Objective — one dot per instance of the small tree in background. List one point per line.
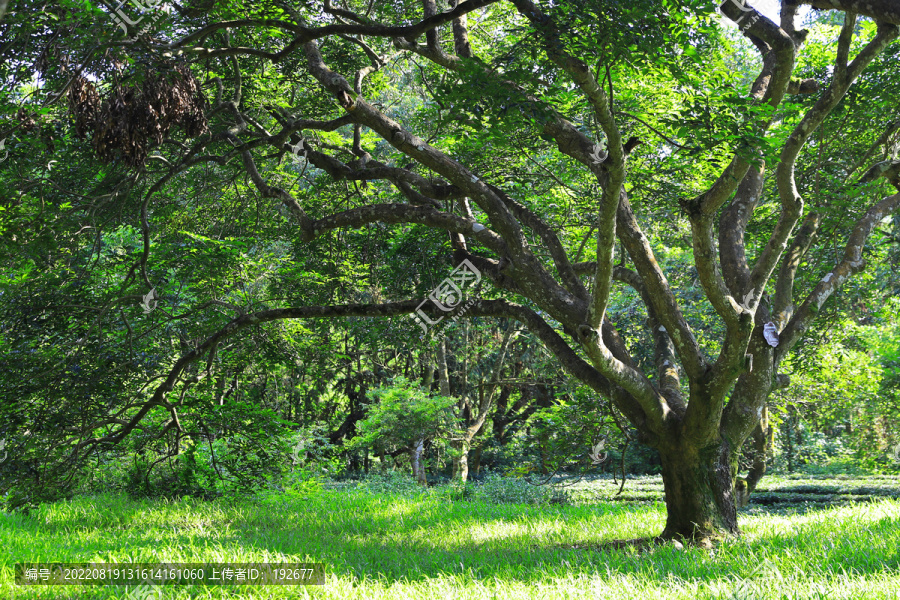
(405, 418)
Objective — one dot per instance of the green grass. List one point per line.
(776, 492)
(397, 545)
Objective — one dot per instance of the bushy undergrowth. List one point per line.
(493, 489)
(392, 482)
(496, 489)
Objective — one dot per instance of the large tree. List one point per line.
(494, 108)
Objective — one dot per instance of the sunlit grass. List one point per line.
(383, 545)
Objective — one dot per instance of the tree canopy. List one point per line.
(663, 196)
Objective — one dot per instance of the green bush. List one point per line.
(496, 489)
(404, 414)
(392, 482)
(312, 454)
(455, 491)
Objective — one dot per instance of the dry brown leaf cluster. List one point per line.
(134, 118)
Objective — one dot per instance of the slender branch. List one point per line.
(852, 263)
(882, 140)
(306, 34)
(404, 213)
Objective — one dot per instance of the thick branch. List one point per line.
(732, 226)
(269, 191)
(887, 11)
(791, 202)
(495, 308)
(778, 50)
(783, 307)
(851, 263)
(660, 294)
(614, 165)
(529, 273)
(404, 213)
(551, 241)
(668, 380)
(461, 34)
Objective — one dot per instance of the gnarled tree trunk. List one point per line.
(699, 499)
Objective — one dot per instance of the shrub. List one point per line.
(404, 413)
(392, 482)
(496, 489)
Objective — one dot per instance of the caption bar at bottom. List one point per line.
(170, 573)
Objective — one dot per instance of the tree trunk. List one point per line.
(461, 461)
(699, 496)
(789, 440)
(762, 447)
(543, 455)
(476, 460)
(418, 464)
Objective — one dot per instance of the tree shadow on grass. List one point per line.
(403, 539)
(418, 541)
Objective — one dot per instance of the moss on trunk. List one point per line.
(699, 495)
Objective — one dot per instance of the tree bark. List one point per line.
(461, 461)
(699, 496)
(476, 460)
(762, 446)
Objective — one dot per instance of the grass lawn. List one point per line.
(396, 545)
